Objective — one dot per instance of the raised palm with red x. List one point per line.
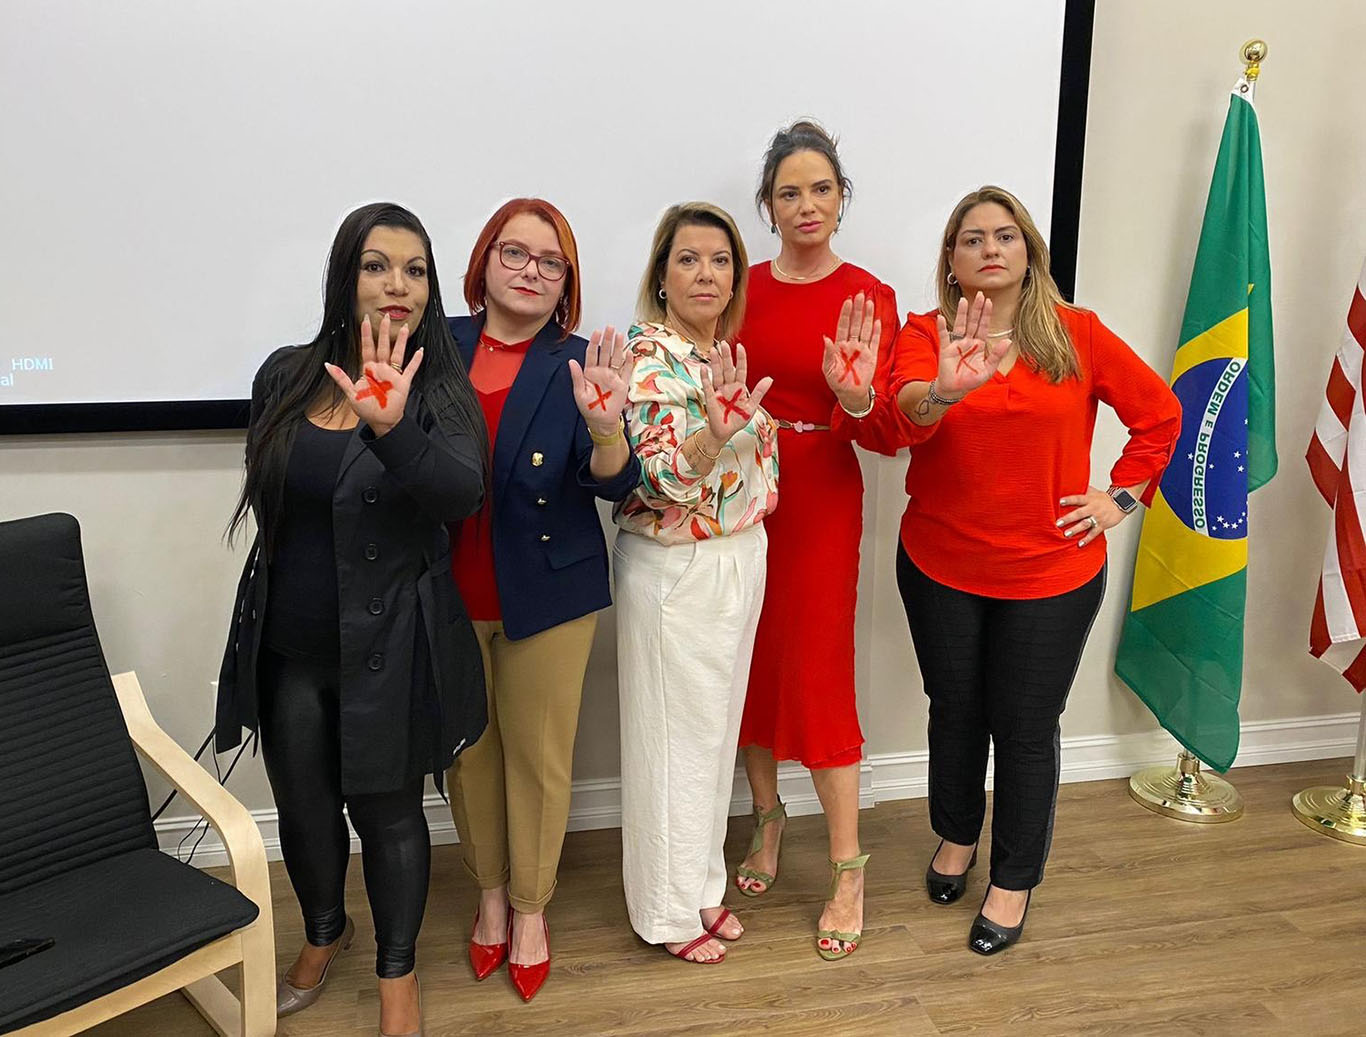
(380, 394)
(602, 381)
(968, 357)
(851, 356)
(729, 404)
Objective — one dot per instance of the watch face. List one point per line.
(1124, 499)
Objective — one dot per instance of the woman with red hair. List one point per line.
(531, 565)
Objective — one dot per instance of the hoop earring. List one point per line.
(951, 279)
(661, 293)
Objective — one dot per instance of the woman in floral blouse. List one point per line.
(690, 564)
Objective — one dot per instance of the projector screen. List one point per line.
(174, 172)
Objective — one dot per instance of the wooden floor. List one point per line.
(1144, 926)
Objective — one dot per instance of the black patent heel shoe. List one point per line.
(945, 889)
(988, 937)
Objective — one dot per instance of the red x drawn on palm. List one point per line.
(379, 390)
(602, 399)
(965, 360)
(849, 373)
(732, 405)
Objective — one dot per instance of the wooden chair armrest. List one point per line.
(234, 824)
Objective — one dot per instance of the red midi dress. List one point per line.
(801, 701)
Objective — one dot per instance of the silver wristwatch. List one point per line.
(1126, 500)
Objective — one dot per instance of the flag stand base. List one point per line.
(1186, 793)
(1336, 811)
(1339, 812)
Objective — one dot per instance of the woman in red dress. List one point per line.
(827, 393)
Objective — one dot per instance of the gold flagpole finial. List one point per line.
(1253, 54)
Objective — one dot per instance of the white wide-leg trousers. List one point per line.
(686, 616)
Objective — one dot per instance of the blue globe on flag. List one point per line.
(1206, 482)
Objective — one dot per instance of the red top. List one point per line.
(798, 316)
(985, 480)
(492, 373)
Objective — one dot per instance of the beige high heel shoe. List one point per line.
(290, 999)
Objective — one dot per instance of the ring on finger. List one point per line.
(1092, 520)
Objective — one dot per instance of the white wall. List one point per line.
(153, 506)
(199, 156)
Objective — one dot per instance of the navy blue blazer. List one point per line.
(549, 554)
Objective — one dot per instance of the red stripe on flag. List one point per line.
(1341, 394)
(1319, 641)
(1350, 545)
(1356, 318)
(1356, 672)
(1323, 471)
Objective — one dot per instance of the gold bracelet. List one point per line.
(697, 442)
(612, 440)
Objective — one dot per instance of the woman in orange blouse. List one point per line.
(1002, 558)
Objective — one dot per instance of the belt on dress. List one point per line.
(801, 426)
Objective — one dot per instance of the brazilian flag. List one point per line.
(1181, 649)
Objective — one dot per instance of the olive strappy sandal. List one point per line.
(829, 941)
(761, 818)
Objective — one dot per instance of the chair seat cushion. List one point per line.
(115, 922)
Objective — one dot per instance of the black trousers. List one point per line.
(301, 744)
(998, 671)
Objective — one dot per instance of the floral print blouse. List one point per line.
(674, 503)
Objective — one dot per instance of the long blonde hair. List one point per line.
(650, 307)
(1039, 333)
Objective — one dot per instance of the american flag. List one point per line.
(1337, 462)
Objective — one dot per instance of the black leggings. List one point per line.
(999, 670)
(301, 743)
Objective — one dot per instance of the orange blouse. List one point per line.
(985, 480)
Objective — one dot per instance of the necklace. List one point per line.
(804, 277)
(1000, 334)
(494, 345)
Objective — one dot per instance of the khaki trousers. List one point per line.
(510, 790)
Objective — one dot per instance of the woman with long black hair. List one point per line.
(350, 651)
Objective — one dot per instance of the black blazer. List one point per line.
(412, 680)
(549, 555)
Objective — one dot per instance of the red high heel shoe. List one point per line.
(486, 957)
(528, 978)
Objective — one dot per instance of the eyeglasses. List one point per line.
(515, 257)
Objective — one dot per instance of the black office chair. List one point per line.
(79, 863)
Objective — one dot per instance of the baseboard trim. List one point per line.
(883, 777)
